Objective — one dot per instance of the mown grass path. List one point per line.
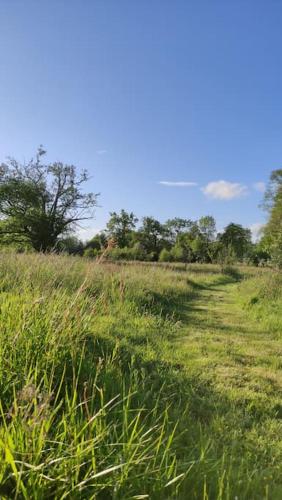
(219, 337)
(235, 367)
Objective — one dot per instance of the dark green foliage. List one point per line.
(259, 255)
(133, 253)
(165, 255)
(120, 227)
(41, 202)
(207, 226)
(238, 239)
(177, 226)
(98, 242)
(272, 239)
(71, 245)
(177, 240)
(152, 236)
(91, 253)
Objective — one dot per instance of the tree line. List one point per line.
(176, 240)
(41, 205)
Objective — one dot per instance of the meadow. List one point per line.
(134, 381)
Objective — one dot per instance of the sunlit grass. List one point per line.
(138, 381)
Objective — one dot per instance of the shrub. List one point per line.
(178, 254)
(165, 256)
(121, 254)
(90, 253)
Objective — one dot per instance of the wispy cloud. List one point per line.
(256, 230)
(224, 190)
(178, 183)
(259, 186)
(101, 151)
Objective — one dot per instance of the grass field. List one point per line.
(139, 381)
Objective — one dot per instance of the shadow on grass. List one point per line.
(174, 305)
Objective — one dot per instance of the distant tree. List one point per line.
(214, 249)
(177, 226)
(71, 245)
(165, 256)
(91, 253)
(152, 235)
(186, 246)
(121, 226)
(98, 242)
(259, 256)
(180, 253)
(237, 239)
(41, 202)
(225, 254)
(207, 226)
(272, 238)
(204, 237)
(200, 249)
(274, 189)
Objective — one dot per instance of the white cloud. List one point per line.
(178, 184)
(259, 186)
(224, 190)
(256, 230)
(101, 151)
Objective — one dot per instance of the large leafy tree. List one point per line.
(272, 239)
(121, 226)
(207, 226)
(177, 226)
(237, 239)
(152, 235)
(40, 202)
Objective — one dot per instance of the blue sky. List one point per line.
(144, 92)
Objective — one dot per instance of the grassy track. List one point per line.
(220, 336)
(138, 381)
(240, 359)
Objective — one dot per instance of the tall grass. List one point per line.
(78, 418)
(262, 297)
(96, 400)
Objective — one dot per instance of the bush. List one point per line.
(165, 256)
(135, 253)
(178, 254)
(71, 245)
(91, 253)
(121, 254)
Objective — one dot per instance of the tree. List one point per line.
(71, 245)
(165, 256)
(237, 239)
(41, 202)
(203, 242)
(274, 190)
(207, 226)
(177, 226)
(98, 242)
(186, 246)
(91, 253)
(272, 239)
(120, 227)
(151, 235)
(179, 253)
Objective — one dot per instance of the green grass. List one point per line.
(139, 380)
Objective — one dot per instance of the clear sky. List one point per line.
(149, 91)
